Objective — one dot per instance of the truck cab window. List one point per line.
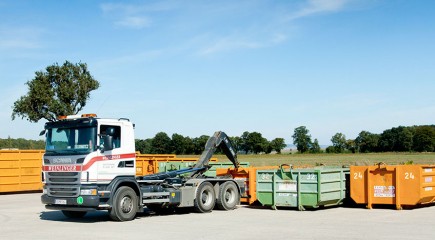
(114, 131)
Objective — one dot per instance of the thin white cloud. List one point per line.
(250, 39)
(312, 7)
(227, 44)
(134, 16)
(133, 22)
(20, 38)
(273, 31)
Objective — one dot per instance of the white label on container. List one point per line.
(428, 170)
(265, 176)
(384, 191)
(428, 179)
(284, 194)
(428, 188)
(287, 186)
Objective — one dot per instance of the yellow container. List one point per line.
(399, 185)
(20, 170)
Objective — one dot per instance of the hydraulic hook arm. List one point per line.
(219, 139)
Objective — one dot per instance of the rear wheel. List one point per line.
(124, 205)
(74, 214)
(205, 198)
(228, 197)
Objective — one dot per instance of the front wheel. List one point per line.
(124, 204)
(228, 196)
(74, 214)
(205, 198)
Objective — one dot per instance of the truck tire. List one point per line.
(205, 198)
(228, 196)
(124, 204)
(74, 214)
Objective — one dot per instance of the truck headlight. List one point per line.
(92, 192)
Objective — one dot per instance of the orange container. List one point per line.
(397, 185)
(149, 163)
(20, 170)
(248, 175)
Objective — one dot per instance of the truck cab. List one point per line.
(83, 153)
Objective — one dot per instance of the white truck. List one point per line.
(89, 164)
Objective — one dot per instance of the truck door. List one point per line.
(114, 162)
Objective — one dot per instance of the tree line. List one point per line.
(248, 142)
(397, 139)
(21, 143)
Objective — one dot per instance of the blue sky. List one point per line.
(194, 67)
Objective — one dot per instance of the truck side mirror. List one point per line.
(108, 142)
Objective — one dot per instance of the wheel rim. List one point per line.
(126, 204)
(229, 196)
(206, 198)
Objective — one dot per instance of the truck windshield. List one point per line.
(76, 140)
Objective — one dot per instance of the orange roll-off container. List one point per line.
(20, 170)
(248, 175)
(149, 163)
(399, 185)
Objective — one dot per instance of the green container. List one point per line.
(301, 188)
(214, 165)
(172, 166)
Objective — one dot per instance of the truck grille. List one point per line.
(63, 184)
(63, 191)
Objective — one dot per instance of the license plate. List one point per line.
(60, 201)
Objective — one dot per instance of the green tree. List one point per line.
(330, 149)
(278, 144)
(396, 139)
(267, 147)
(161, 143)
(367, 142)
(178, 143)
(244, 146)
(143, 146)
(405, 139)
(237, 143)
(339, 142)
(257, 143)
(351, 145)
(199, 144)
(424, 139)
(190, 146)
(302, 139)
(315, 147)
(60, 90)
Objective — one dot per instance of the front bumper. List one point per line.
(80, 203)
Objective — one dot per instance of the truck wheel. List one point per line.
(205, 198)
(124, 204)
(74, 214)
(228, 196)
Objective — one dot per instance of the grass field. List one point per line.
(333, 159)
